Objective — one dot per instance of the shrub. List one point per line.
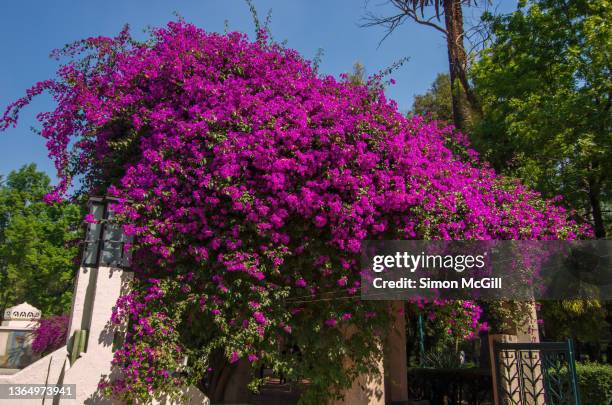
(50, 334)
(595, 383)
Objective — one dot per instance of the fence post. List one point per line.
(496, 380)
(572, 371)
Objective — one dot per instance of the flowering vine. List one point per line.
(50, 334)
(249, 183)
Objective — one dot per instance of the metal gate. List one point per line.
(536, 373)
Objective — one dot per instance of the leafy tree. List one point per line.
(583, 320)
(358, 75)
(436, 103)
(453, 31)
(36, 257)
(545, 88)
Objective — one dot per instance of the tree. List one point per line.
(454, 33)
(358, 75)
(545, 86)
(36, 254)
(582, 320)
(249, 182)
(436, 103)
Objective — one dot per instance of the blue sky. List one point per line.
(31, 29)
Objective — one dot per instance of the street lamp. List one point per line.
(104, 240)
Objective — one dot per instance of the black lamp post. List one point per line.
(104, 240)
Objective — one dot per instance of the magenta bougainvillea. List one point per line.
(249, 183)
(50, 334)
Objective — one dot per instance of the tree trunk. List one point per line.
(237, 390)
(595, 201)
(457, 63)
(228, 383)
(453, 20)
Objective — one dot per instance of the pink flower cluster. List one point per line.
(50, 334)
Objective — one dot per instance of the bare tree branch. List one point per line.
(415, 11)
(408, 10)
(454, 33)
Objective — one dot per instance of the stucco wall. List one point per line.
(96, 293)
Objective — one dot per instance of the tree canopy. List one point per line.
(545, 85)
(436, 103)
(38, 243)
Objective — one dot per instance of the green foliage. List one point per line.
(436, 103)
(358, 75)
(584, 320)
(545, 87)
(594, 383)
(508, 316)
(36, 259)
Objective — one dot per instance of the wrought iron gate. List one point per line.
(536, 373)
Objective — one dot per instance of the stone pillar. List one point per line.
(82, 301)
(523, 378)
(396, 364)
(105, 286)
(16, 337)
(367, 389)
(497, 400)
(110, 284)
(390, 384)
(529, 332)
